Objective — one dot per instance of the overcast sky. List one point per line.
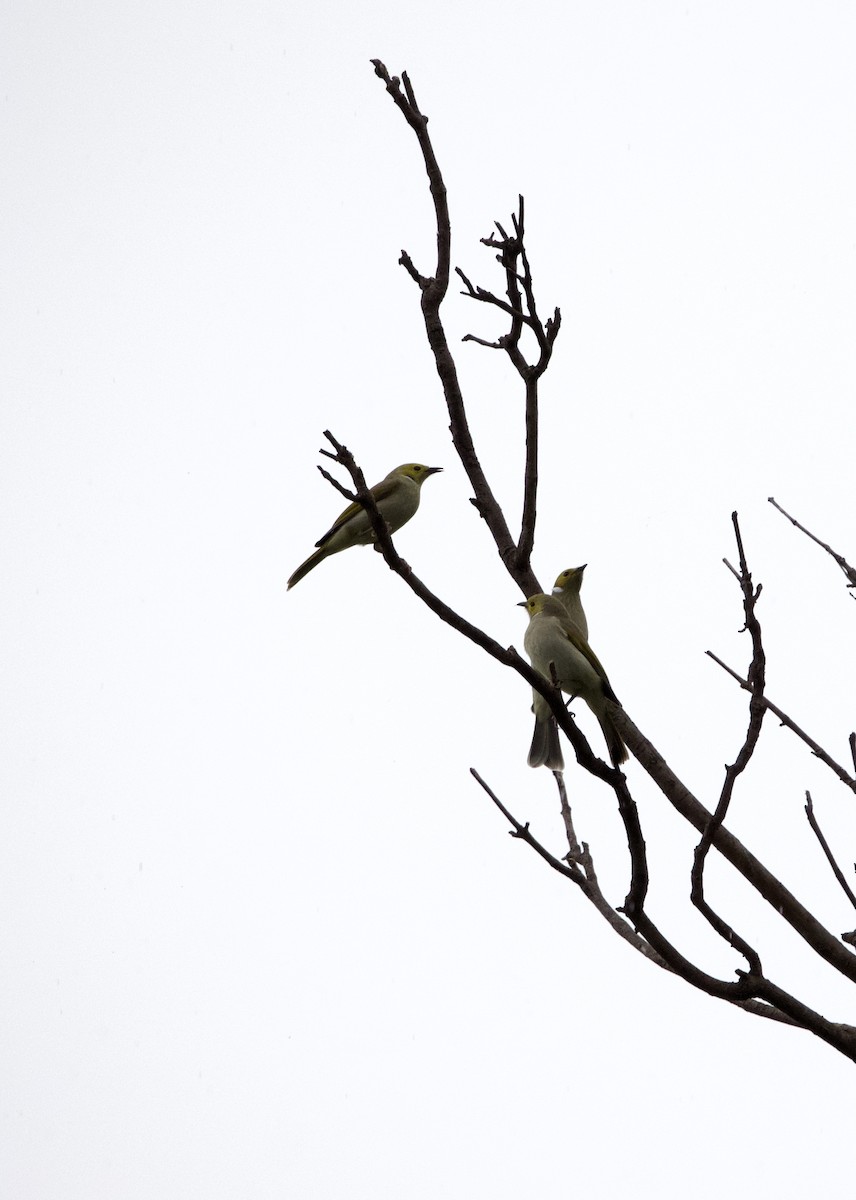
(262, 935)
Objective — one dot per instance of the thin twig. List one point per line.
(753, 732)
(570, 871)
(816, 749)
(580, 869)
(824, 845)
(849, 571)
(522, 308)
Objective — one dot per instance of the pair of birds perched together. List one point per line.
(556, 639)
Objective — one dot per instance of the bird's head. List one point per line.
(536, 604)
(418, 472)
(570, 580)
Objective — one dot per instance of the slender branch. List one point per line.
(570, 871)
(635, 900)
(849, 571)
(526, 542)
(433, 291)
(418, 122)
(471, 337)
(824, 845)
(519, 318)
(753, 732)
(521, 306)
(583, 876)
(574, 851)
(580, 870)
(581, 856)
(816, 749)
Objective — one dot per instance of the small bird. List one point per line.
(567, 588)
(397, 499)
(553, 638)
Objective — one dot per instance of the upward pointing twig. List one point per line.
(849, 571)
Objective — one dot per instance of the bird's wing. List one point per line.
(579, 643)
(380, 491)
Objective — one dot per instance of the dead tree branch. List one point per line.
(815, 747)
(824, 845)
(433, 289)
(850, 572)
(756, 716)
(522, 308)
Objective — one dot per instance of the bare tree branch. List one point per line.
(756, 716)
(816, 749)
(849, 571)
(824, 845)
(433, 291)
(522, 308)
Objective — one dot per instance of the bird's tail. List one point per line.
(312, 561)
(545, 750)
(614, 744)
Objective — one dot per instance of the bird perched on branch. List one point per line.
(552, 639)
(567, 588)
(397, 499)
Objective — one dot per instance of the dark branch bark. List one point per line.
(824, 845)
(579, 868)
(433, 291)
(521, 307)
(756, 716)
(849, 571)
(816, 749)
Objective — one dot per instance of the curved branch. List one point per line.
(418, 122)
(850, 572)
(756, 716)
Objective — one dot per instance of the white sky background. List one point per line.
(262, 934)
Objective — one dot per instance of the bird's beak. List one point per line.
(432, 470)
(521, 603)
